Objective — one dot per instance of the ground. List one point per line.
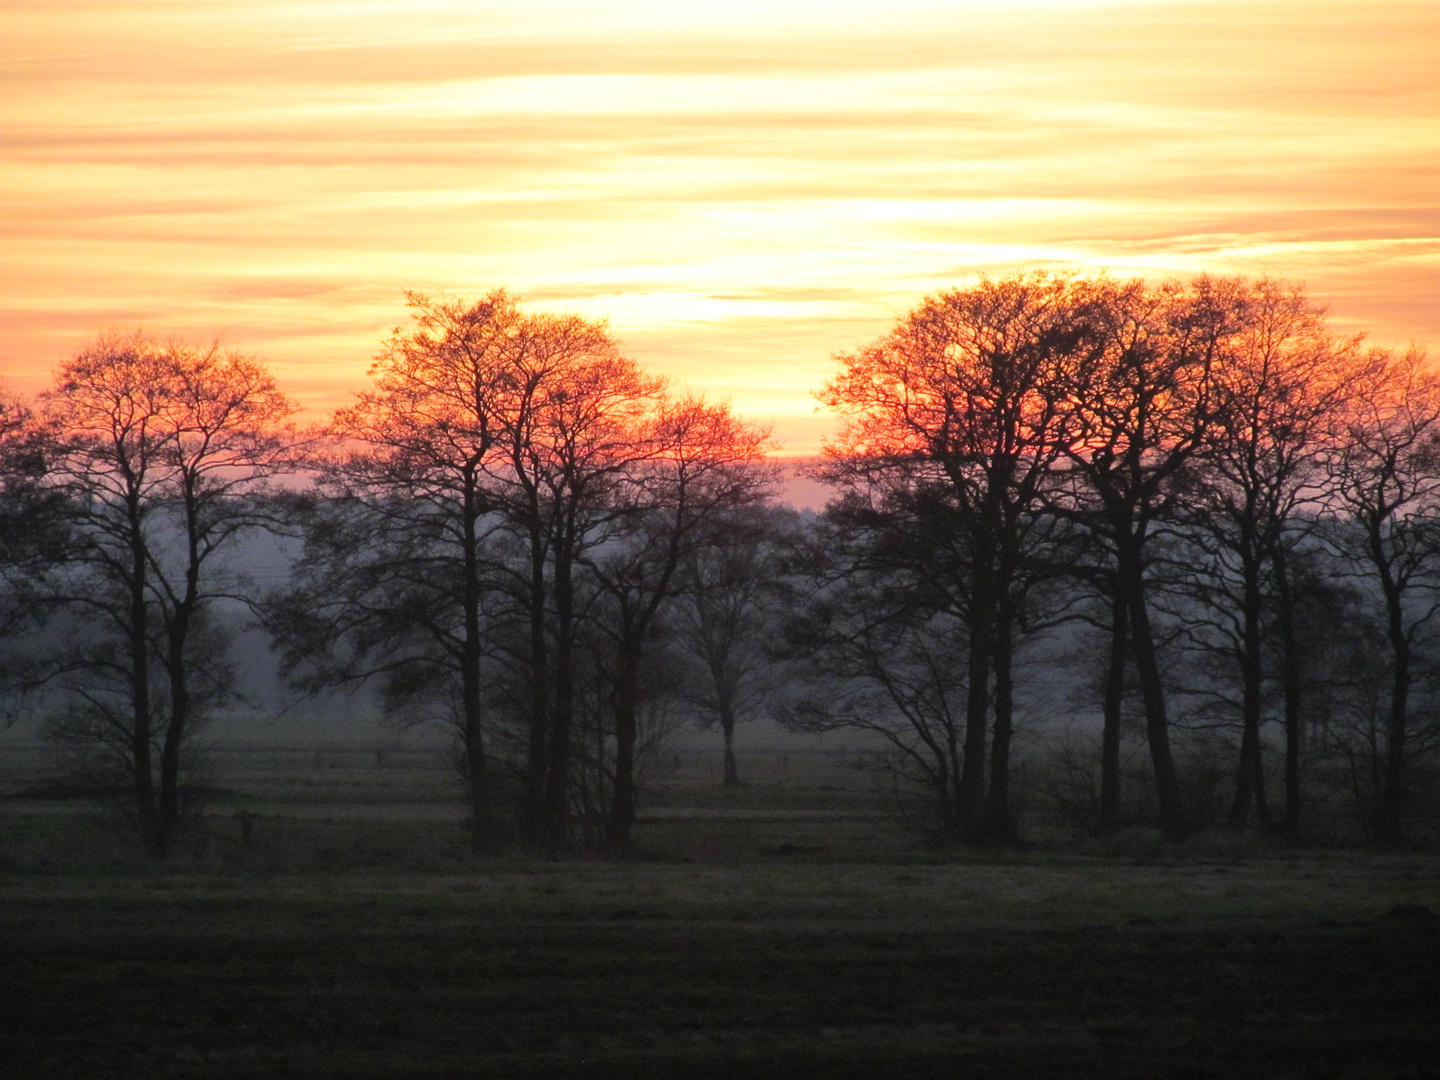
(786, 929)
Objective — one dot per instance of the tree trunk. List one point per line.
(482, 826)
(557, 780)
(950, 781)
(182, 618)
(1152, 692)
(1262, 805)
(1390, 819)
(168, 819)
(970, 792)
(1000, 827)
(1109, 821)
(1290, 689)
(624, 698)
(1248, 787)
(140, 733)
(727, 726)
(537, 764)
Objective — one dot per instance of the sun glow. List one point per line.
(742, 189)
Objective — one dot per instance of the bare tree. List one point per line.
(865, 656)
(569, 429)
(1386, 484)
(497, 449)
(32, 535)
(955, 421)
(1138, 409)
(704, 466)
(1274, 401)
(398, 580)
(162, 451)
(727, 619)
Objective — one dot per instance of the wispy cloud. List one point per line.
(743, 189)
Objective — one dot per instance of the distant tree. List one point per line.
(1336, 635)
(1385, 477)
(1274, 403)
(727, 621)
(33, 539)
(162, 453)
(863, 656)
(704, 467)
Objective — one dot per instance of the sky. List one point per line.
(742, 189)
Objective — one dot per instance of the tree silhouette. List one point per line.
(398, 578)
(1137, 411)
(952, 439)
(727, 618)
(704, 466)
(162, 451)
(1386, 480)
(1275, 397)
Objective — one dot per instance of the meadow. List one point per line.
(324, 918)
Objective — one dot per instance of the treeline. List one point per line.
(1240, 503)
(1191, 509)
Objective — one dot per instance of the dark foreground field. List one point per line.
(365, 945)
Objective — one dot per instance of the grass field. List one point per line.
(326, 921)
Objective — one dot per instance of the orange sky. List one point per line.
(742, 188)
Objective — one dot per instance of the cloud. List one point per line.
(742, 190)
